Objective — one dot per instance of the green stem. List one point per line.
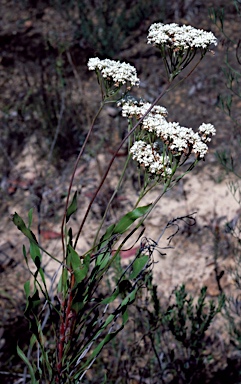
(144, 192)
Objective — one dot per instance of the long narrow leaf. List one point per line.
(72, 207)
(26, 361)
(126, 221)
(80, 269)
(138, 265)
(18, 221)
(30, 217)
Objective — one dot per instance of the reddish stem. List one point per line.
(65, 325)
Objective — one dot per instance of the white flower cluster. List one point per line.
(179, 37)
(205, 130)
(177, 139)
(132, 108)
(147, 156)
(119, 73)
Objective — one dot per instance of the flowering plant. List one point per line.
(85, 322)
(179, 44)
(178, 140)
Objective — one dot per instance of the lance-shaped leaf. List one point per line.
(34, 247)
(126, 221)
(80, 267)
(32, 369)
(72, 207)
(33, 300)
(138, 265)
(63, 282)
(123, 225)
(106, 237)
(18, 221)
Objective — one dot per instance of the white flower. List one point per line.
(177, 139)
(180, 139)
(179, 37)
(205, 131)
(133, 108)
(200, 148)
(148, 156)
(120, 73)
(154, 123)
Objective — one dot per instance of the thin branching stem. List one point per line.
(112, 198)
(166, 89)
(73, 175)
(112, 160)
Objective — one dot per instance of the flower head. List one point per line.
(179, 37)
(180, 140)
(119, 73)
(178, 45)
(177, 141)
(206, 130)
(148, 156)
(134, 108)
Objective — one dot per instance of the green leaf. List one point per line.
(121, 227)
(80, 267)
(35, 254)
(72, 208)
(18, 221)
(74, 258)
(34, 248)
(33, 340)
(106, 237)
(77, 306)
(105, 341)
(109, 319)
(138, 265)
(27, 288)
(108, 300)
(27, 362)
(102, 260)
(63, 282)
(129, 298)
(32, 301)
(30, 217)
(125, 317)
(126, 221)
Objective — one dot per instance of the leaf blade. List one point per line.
(72, 207)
